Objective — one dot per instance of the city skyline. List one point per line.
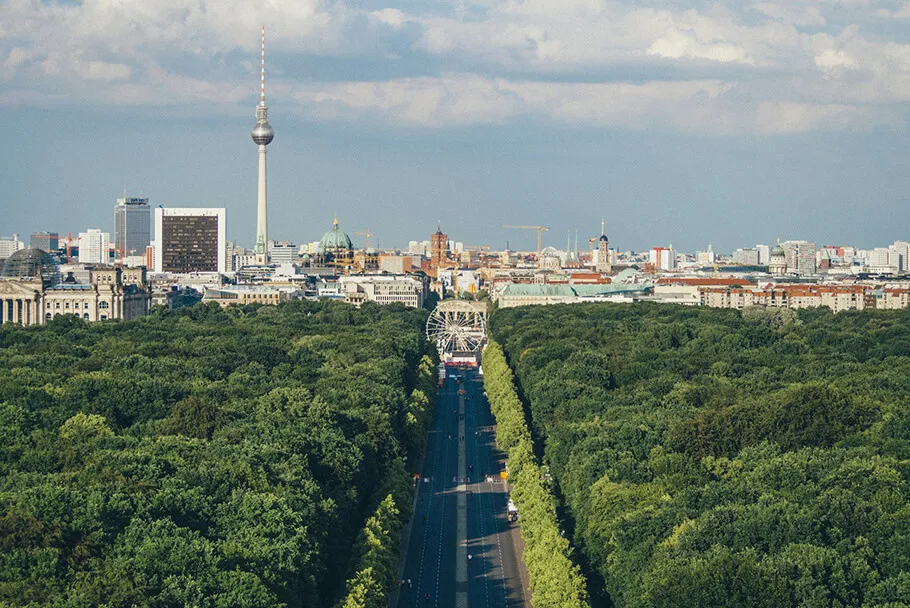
(694, 129)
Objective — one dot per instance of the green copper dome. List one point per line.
(335, 239)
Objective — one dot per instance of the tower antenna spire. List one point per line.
(262, 78)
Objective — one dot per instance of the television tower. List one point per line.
(262, 135)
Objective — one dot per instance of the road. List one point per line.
(461, 551)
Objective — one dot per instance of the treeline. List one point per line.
(206, 457)
(375, 569)
(554, 579)
(714, 458)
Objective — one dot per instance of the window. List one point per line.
(56, 304)
(67, 305)
(85, 316)
(104, 305)
(103, 317)
(47, 317)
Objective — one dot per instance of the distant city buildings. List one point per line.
(748, 256)
(383, 289)
(45, 241)
(32, 291)
(190, 240)
(94, 247)
(132, 226)
(663, 258)
(10, 245)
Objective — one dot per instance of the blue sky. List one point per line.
(686, 123)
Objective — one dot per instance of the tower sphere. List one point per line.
(263, 134)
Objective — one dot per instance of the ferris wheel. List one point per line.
(457, 325)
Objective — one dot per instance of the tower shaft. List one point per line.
(262, 227)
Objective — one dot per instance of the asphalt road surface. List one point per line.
(492, 576)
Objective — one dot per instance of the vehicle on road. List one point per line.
(512, 511)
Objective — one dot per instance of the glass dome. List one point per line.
(31, 263)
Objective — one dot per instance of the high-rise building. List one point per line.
(10, 245)
(94, 247)
(45, 241)
(800, 257)
(190, 240)
(900, 255)
(883, 260)
(262, 135)
(663, 258)
(132, 226)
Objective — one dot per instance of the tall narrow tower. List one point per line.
(603, 264)
(262, 135)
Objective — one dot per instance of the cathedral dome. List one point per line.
(31, 263)
(777, 251)
(335, 239)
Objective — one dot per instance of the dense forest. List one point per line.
(717, 458)
(253, 456)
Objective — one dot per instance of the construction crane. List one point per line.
(539, 229)
(366, 234)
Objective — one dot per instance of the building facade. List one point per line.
(190, 240)
(111, 293)
(132, 226)
(94, 247)
(383, 289)
(45, 241)
(439, 247)
(604, 263)
(10, 245)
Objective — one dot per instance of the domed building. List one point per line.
(335, 247)
(31, 264)
(32, 293)
(777, 264)
(549, 259)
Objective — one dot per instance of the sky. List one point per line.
(685, 123)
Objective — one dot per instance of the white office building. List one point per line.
(94, 247)
(10, 245)
(382, 289)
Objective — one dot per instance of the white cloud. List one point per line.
(102, 70)
(832, 62)
(773, 66)
(678, 43)
(390, 16)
